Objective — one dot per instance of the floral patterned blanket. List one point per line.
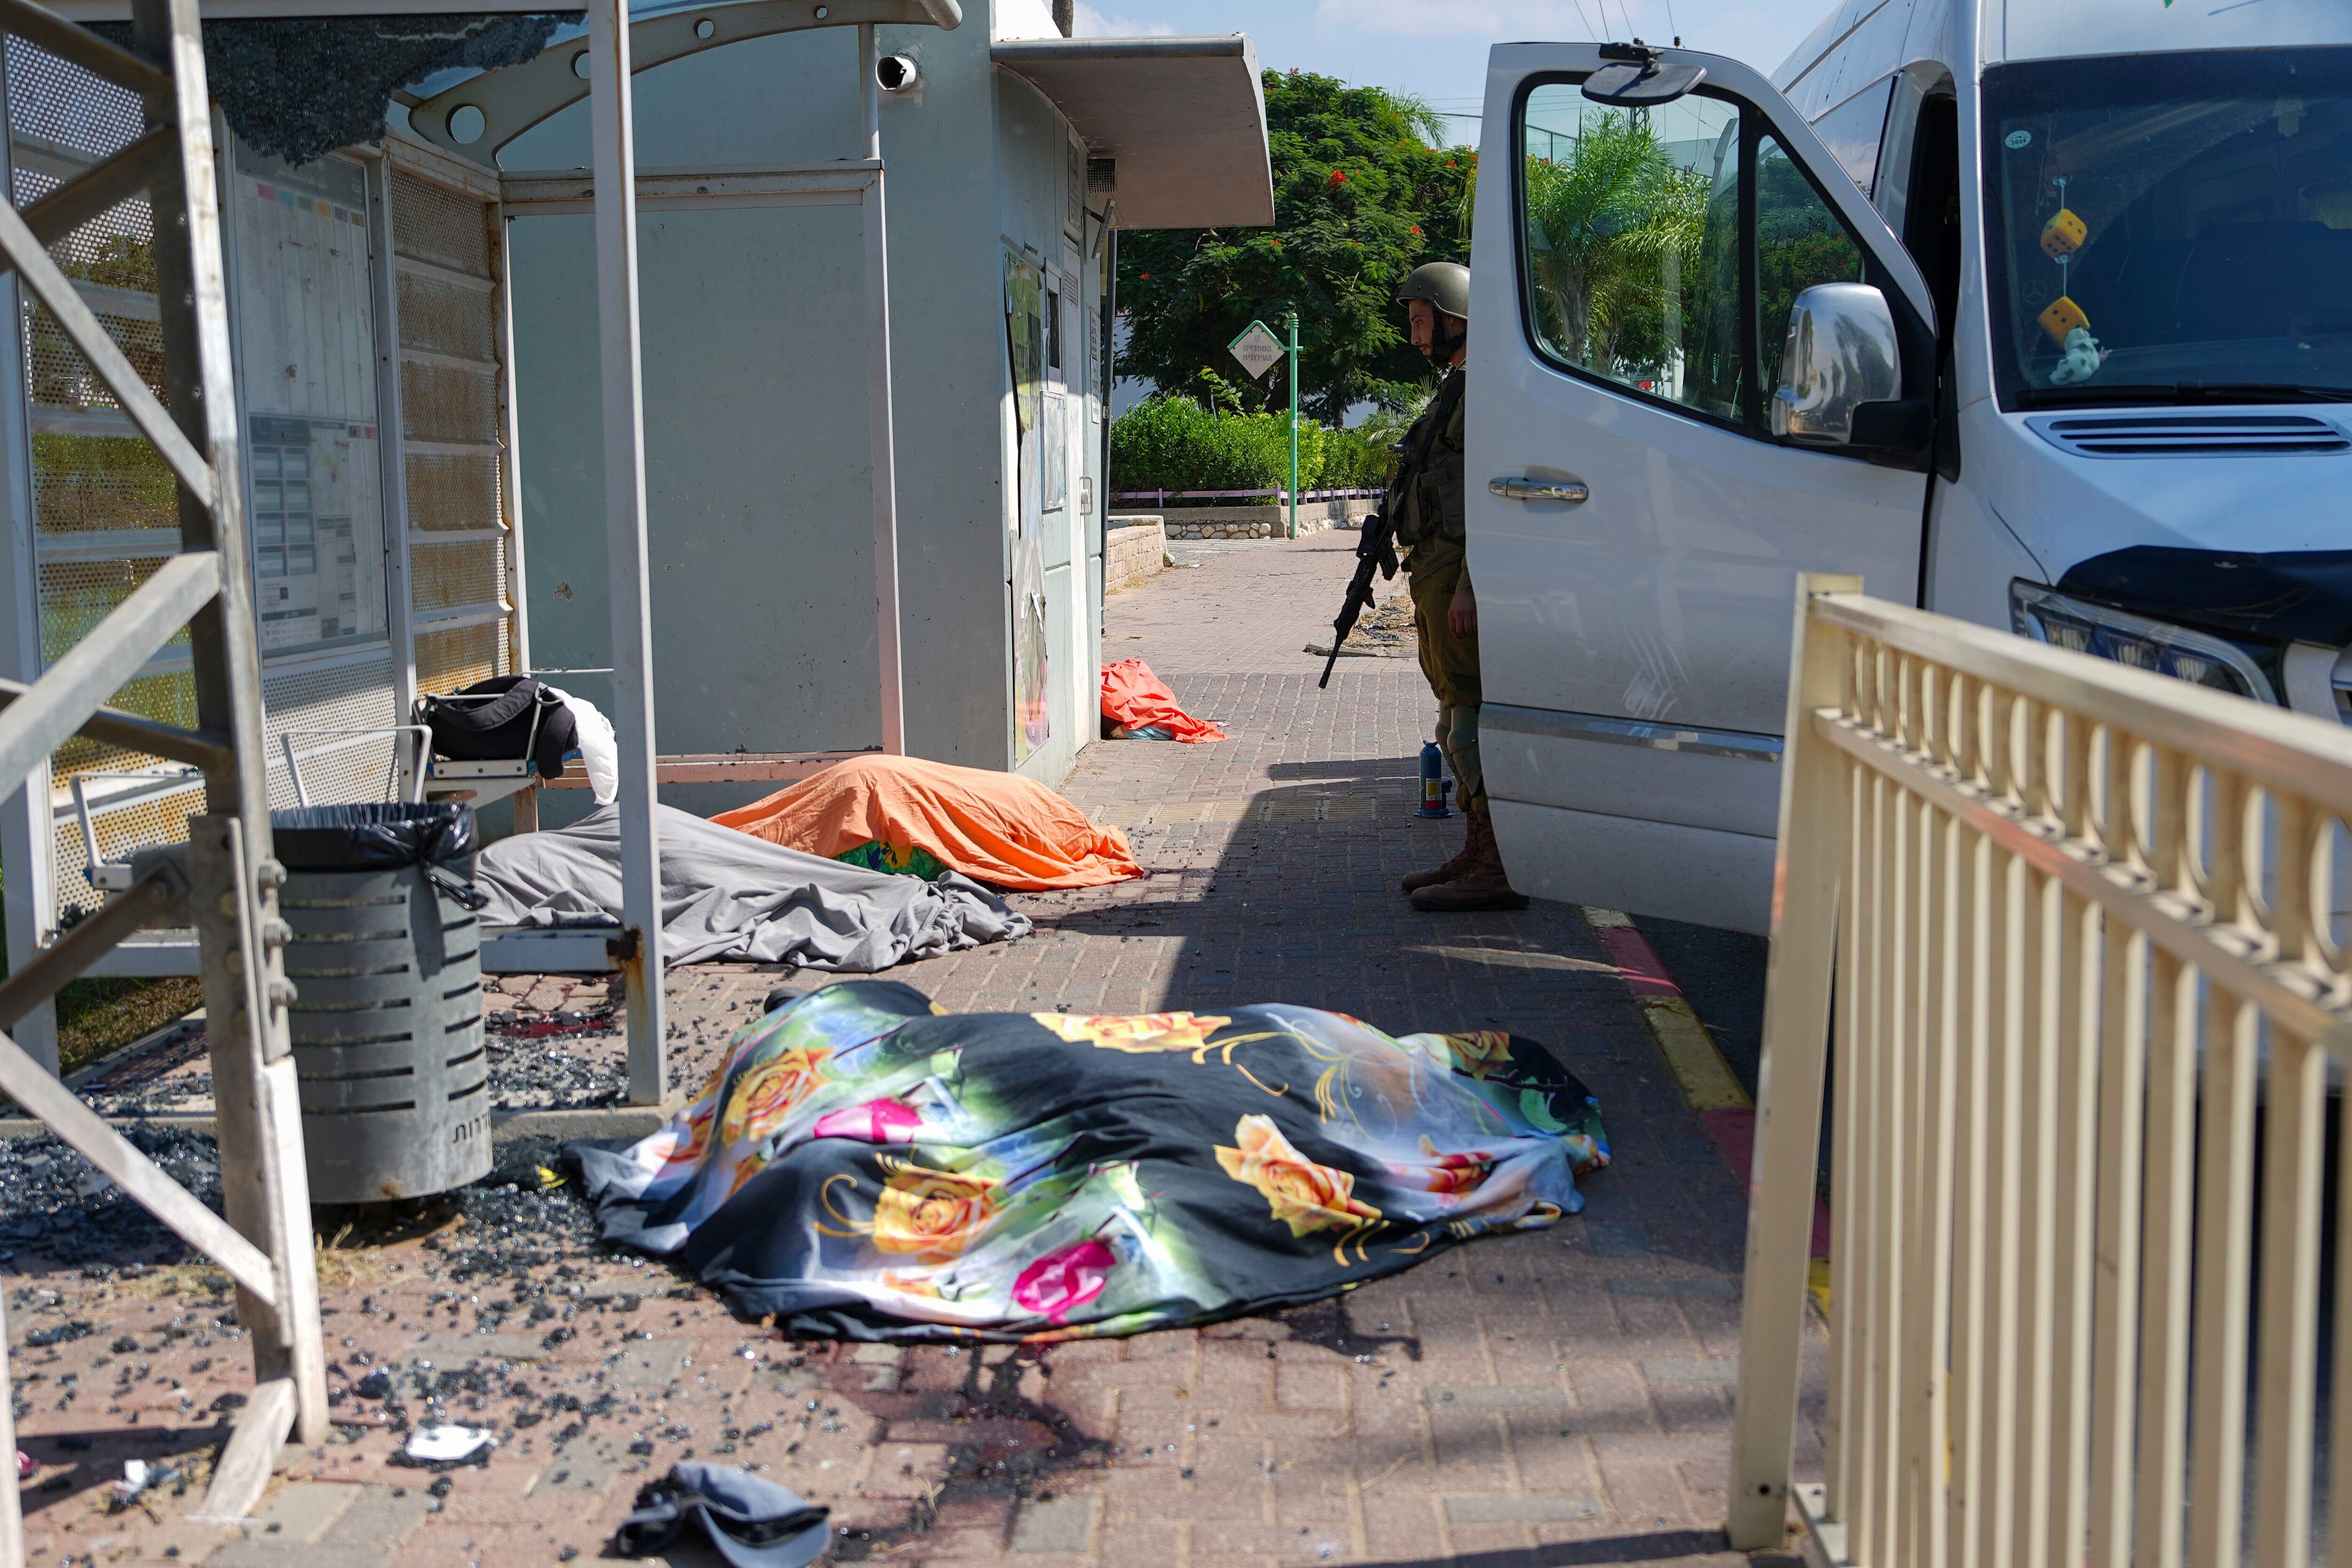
(866, 1166)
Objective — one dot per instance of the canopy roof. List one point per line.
(1184, 118)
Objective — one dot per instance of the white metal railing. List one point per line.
(2083, 921)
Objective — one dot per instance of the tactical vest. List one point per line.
(1426, 498)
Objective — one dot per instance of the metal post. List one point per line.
(637, 953)
(879, 416)
(257, 1121)
(392, 424)
(227, 867)
(27, 832)
(11, 1505)
(1294, 424)
(1109, 382)
(1789, 1084)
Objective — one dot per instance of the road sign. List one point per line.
(1258, 349)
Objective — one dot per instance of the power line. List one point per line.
(1674, 25)
(1588, 21)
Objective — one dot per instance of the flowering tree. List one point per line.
(1364, 190)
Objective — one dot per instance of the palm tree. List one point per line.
(1613, 229)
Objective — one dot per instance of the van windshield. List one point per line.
(2170, 228)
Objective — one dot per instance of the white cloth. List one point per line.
(600, 753)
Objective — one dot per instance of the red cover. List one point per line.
(1134, 697)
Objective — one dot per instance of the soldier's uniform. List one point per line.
(1426, 501)
(1430, 537)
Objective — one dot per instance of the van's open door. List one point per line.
(1634, 273)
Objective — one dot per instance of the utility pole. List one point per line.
(1294, 424)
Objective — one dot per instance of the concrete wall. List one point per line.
(1032, 172)
(757, 484)
(1138, 552)
(1263, 522)
(759, 490)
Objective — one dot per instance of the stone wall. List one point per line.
(1133, 553)
(1262, 521)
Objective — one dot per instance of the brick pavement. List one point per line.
(1542, 1399)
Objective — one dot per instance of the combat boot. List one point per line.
(1483, 884)
(1413, 881)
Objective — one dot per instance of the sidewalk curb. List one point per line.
(1708, 1085)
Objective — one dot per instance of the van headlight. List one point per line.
(2195, 657)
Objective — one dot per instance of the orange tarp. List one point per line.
(1134, 697)
(997, 827)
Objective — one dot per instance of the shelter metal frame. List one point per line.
(224, 880)
(511, 101)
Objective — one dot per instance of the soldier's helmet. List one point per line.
(1444, 284)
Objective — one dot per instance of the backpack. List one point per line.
(506, 717)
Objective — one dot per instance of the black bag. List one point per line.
(752, 1522)
(504, 718)
(438, 835)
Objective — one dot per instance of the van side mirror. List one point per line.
(1841, 359)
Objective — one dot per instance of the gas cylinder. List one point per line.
(1433, 782)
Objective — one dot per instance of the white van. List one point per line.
(2073, 289)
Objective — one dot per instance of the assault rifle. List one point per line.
(1376, 548)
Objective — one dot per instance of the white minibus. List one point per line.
(2033, 314)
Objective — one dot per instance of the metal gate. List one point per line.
(2092, 967)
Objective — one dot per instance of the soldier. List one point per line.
(1426, 501)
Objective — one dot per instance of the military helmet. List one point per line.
(1444, 284)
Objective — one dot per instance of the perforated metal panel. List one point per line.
(449, 576)
(435, 223)
(446, 660)
(447, 318)
(105, 507)
(93, 483)
(444, 403)
(451, 391)
(78, 594)
(450, 491)
(105, 510)
(356, 695)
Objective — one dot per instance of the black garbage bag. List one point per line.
(753, 1522)
(438, 836)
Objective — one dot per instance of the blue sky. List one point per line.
(1437, 48)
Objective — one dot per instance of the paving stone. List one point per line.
(1443, 1397)
(1062, 1524)
(305, 1511)
(1612, 1239)
(1678, 1289)
(444, 1351)
(1506, 1380)
(1528, 1508)
(1721, 1372)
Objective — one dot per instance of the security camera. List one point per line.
(896, 73)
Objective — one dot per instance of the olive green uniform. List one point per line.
(1431, 528)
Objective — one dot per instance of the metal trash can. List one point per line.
(386, 962)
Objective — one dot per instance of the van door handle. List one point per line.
(1569, 491)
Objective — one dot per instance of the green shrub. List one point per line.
(1357, 458)
(1174, 443)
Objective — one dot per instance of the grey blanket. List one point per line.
(729, 895)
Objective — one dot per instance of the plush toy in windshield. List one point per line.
(2082, 359)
